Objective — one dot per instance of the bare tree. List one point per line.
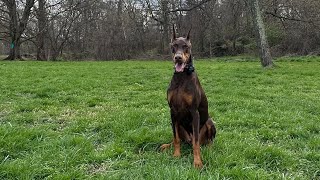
(165, 25)
(265, 56)
(123, 29)
(17, 26)
(62, 23)
(42, 30)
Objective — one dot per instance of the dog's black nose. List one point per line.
(178, 58)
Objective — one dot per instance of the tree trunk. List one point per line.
(165, 25)
(42, 30)
(120, 33)
(261, 38)
(14, 30)
(14, 50)
(54, 54)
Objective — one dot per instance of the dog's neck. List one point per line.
(189, 69)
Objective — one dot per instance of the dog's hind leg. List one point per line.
(211, 130)
(184, 135)
(207, 132)
(203, 134)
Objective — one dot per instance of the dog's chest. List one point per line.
(179, 99)
(183, 93)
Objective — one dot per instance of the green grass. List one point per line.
(106, 120)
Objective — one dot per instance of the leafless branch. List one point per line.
(3, 32)
(191, 8)
(4, 39)
(150, 11)
(53, 5)
(4, 11)
(287, 18)
(282, 18)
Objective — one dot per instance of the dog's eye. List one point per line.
(185, 48)
(174, 47)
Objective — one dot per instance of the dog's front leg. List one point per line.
(176, 139)
(195, 140)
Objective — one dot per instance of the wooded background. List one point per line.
(127, 29)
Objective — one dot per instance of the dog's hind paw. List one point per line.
(163, 147)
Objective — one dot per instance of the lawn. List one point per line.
(106, 120)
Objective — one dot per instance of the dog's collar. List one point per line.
(189, 68)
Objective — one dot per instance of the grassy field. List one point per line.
(106, 120)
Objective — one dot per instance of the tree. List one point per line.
(165, 25)
(42, 30)
(62, 24)
(124, 29)
(17, 26)
(265, 55)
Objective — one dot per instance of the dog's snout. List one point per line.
(178, 58)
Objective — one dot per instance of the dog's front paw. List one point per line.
(176, 154)
(198, 164)
(163, 147)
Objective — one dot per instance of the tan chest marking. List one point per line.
(187, 98)
(180, 98)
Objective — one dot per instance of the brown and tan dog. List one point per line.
(188, 103)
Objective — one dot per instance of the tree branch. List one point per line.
(191, 8)
(2, 10)
(3, 32)
(287, 18)
(151, 13)
(4, 39)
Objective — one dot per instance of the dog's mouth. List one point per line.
(179, 67)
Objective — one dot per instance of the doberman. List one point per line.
(188, 103)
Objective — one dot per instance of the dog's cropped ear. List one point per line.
(188, 36)
(174, 36)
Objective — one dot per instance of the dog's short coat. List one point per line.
(188, 103)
